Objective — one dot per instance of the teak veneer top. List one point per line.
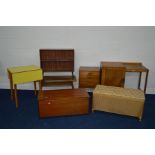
(84, 68)
(129, 66)
(112, 64)
(135, 67)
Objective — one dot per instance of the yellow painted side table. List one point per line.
(23, 74)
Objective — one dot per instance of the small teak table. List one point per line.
(113, 73)
(139, 68)
(23, 74)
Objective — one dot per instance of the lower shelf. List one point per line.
(58, 80)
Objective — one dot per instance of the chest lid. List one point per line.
(65, 93)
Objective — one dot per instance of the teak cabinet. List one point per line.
(89, 77)
(112, 74)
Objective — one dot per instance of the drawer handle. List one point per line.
(49, 102)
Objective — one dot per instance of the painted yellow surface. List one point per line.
(23, 68)
(23, 74)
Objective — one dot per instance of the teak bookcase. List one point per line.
(57, 60)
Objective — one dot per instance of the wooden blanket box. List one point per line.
(63, 102)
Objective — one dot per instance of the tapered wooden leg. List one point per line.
(146, 81)
(35, 92)
(72, 85)
(11, 86)
(16, 97)
(139, 81)
(141, 115)
(40, 87)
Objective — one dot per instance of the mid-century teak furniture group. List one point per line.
(108, 81)
(110, 74)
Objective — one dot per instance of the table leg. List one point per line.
(146, 78)
(16, 97)
(11, 86)
(35, 92)
(139, 82)
(40, 86)
(72, 85)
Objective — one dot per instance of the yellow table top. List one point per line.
(23, 68)
(23, 74)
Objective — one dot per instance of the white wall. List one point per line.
(20, 46)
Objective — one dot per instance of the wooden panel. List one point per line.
(89, 77)
(63, 102)
(57, 66)
(56, 94)
(112, 74)
(112, 64)
(57, 60)
(134, 67)
(56, 54)
(62, 107)
(113, 77)
(58, 80)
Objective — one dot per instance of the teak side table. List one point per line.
(139, 68)
(113, 73)
(23, 74)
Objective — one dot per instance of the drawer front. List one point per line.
(62, 107)
(88, 79)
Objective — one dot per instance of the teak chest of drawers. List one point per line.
(89, 77)
(63, 102)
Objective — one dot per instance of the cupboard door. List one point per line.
(113, 77)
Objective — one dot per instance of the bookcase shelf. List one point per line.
(57, 60)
